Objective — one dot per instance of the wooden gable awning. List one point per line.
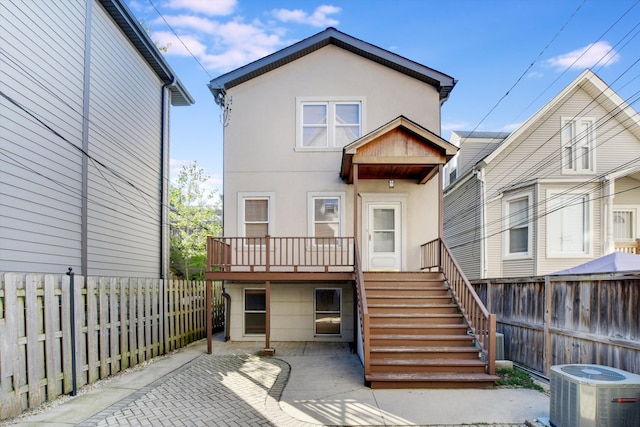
(401, 149)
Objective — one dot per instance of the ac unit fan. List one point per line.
(594, 396)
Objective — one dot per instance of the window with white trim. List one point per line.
(326, 217)
(328, 124)
(624, 221)
(328, 311)
(517, 220)
(568, 225)
(255, 214)
(255, 312)
(578, 145)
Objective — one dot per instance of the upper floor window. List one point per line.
(517, 241)
(578, 145)
(328, 124)
(255, 214)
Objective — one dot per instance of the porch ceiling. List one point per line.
(401, 149)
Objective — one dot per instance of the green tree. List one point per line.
(193, 216)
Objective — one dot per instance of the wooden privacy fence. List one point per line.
(114, 323)
(554, 320)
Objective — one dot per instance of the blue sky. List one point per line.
(509, 56)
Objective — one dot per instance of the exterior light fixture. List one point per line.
(392, 183)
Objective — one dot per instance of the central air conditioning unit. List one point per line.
(594, 396)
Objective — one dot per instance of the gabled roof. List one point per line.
(130, 26)
(400, 149)
(595, 87)
(442, 82)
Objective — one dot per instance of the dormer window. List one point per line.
(578, 145)
(328, 124)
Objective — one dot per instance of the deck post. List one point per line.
(209, 315)
(355, 201)
(267, 350)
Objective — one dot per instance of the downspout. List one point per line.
(227, 314)
(483, 224)
(164, 206)
(164, 180)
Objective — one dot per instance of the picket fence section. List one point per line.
(555, 320)
(117, 323)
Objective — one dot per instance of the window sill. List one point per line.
(518, 257)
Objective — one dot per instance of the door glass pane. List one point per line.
(384, 230)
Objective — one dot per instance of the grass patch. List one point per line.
(515, 378)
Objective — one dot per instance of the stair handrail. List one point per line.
(481, 323)
(363, 310)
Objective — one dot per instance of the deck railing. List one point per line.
(363, 310)
(269, 253)
(482, 324)
(628, 247)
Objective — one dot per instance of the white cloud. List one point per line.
(190, 22)
(207, 7)
(318, 18)
(449, 126)
(535, 75)
(586, 57)
(510, 127)
(186, 45)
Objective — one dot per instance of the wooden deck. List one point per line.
(417, 329)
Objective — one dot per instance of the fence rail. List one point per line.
(114, 324)
(554, 320)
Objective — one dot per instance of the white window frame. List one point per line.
(311, 198)
(634, 221)
(315, 311)
(574, 145)
(245, 311)
(331, 103)
(450, 168)
(506, 209)
(552, 208)
(269, 196)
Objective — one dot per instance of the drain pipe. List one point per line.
(227, 314)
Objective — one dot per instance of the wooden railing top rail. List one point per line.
(263, 253)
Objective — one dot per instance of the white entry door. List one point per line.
(384, 236)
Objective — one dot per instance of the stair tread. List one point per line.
(422, 349)
(427, 362)
(381, 376)
(403, 305)
(419, 326)
(421, 337)
(411, 315)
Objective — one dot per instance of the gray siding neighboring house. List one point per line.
(84, 135)
(560, 190)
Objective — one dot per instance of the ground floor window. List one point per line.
(328, 313)
(255, 311)
(624, 225)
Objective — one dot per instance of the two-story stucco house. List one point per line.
(332, 166)
(562, 189)
(84, 111)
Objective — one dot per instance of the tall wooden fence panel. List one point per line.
(114, 323)
(556, 320)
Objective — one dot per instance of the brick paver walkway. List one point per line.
(212, 390)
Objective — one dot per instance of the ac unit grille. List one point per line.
(594, 396)
(593, 373)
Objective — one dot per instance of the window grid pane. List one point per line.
(326, 217)
(255, 316)
(623, 225)
(328, 304)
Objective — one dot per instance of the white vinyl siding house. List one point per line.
(84, 125)
(570, 164)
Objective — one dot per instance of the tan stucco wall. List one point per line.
(292, 312)
(260, 138)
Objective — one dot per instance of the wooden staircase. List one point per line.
(417, 336)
